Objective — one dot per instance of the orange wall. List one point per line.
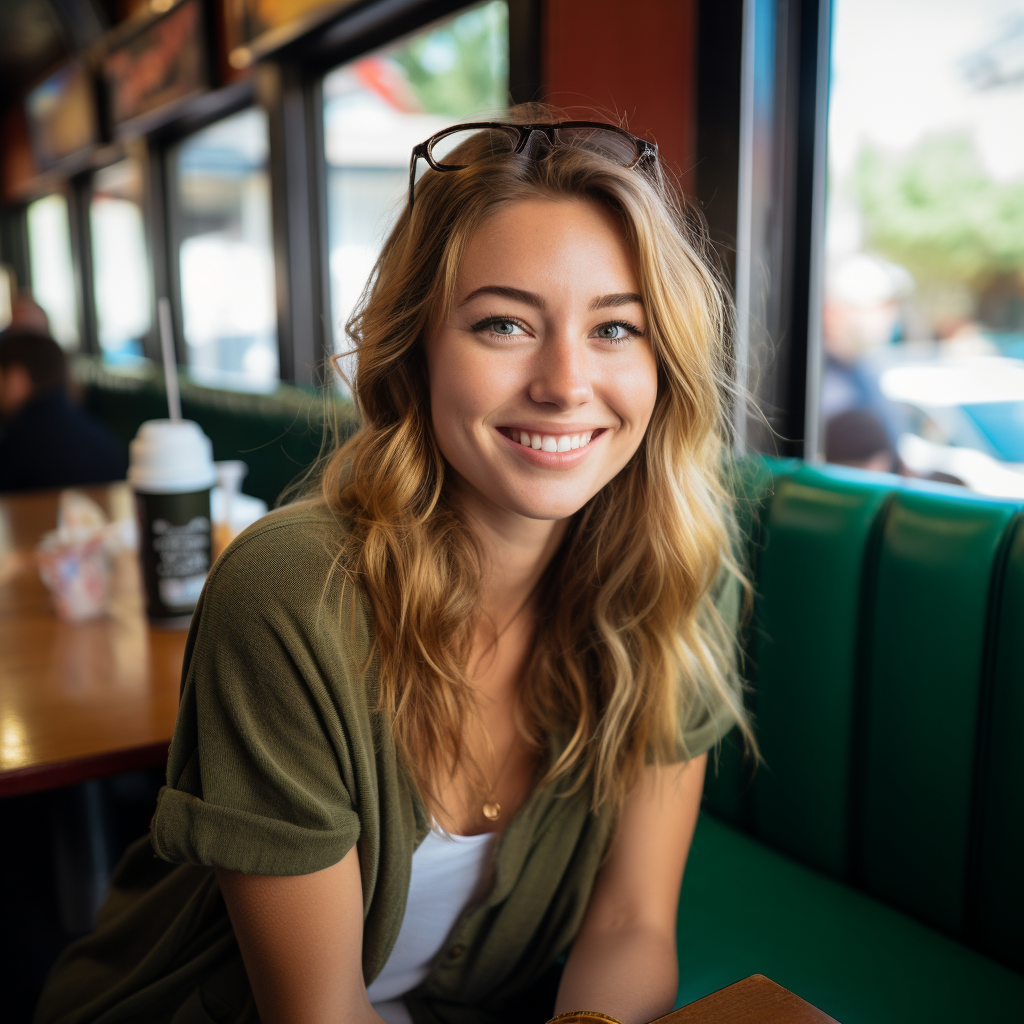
(627, 57)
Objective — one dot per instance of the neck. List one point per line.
(515, 552)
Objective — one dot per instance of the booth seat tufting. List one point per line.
(874, 862)
(277, 435)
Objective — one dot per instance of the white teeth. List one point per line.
(551, 442)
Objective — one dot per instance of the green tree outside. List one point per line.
(462, 66)
(935, 211)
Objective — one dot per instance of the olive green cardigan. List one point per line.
(279, 766)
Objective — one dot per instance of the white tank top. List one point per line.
(447, 873)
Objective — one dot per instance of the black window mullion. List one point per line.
(154, 228)
(166, 224)
(784, 191)
(14, 244)
(78, 194)
(524, 50)
(289, 101)
(321, 249)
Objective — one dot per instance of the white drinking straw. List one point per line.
(170, 362)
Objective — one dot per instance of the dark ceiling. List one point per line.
(36, 36)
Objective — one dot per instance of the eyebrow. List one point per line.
(532, 299)
(617, 299)
(516, 294)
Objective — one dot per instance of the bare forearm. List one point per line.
(631, 974)
(301, 940)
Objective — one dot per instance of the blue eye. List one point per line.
(500, 325)
(617, 330)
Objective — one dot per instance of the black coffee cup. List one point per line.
(171, 473)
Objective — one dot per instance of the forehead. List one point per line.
(548, 245)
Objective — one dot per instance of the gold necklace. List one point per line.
(491, 808)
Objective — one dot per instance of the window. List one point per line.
(221, 210)
(120, 261)
(923, 319)
(376, 109)
(6, 295)
(53, 277)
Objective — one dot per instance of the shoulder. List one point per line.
(299, 540)
(283, 570)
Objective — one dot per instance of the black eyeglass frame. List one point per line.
(522, 132)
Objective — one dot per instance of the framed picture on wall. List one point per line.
(256, 27)
(62, 116)
(157, 68)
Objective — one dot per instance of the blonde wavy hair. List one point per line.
(629, 641)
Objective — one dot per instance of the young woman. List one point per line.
(444, 725)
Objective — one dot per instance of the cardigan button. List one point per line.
(456, 951)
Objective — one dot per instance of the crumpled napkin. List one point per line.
(75, 559)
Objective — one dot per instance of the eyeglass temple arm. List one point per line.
(417, 152)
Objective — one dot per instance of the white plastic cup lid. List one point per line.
(171, 457)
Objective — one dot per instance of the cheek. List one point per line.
(636, 390)
(468, 381)
(460, 392)
(451, 391)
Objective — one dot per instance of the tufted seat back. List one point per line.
(886, 659)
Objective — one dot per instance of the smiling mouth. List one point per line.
(551, 442)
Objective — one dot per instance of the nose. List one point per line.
(560, 377)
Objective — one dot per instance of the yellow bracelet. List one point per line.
(583, 1016)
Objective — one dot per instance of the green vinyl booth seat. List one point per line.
(874, 862)
(278, 435)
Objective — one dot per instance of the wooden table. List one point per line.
(754, 1000)
(77, 701)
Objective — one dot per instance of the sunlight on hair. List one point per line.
(631, 643)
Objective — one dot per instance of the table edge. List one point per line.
(54, 774)
(681, 1013)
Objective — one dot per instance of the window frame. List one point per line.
(768, 81)
(134, 150)
(69, 189)
(293, 94)
(165, 218)
(288, 85)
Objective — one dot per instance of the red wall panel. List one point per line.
(629, 59)
(17, 169)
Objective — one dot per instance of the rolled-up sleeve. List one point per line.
(255, 779)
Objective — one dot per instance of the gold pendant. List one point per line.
(491, 810)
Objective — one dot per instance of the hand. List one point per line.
(629, 930)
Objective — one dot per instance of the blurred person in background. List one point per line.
(857, 438)
(45, 439)
(860, 317)
(28, 315)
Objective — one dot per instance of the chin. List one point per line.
(548, 513)
(547, 507)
